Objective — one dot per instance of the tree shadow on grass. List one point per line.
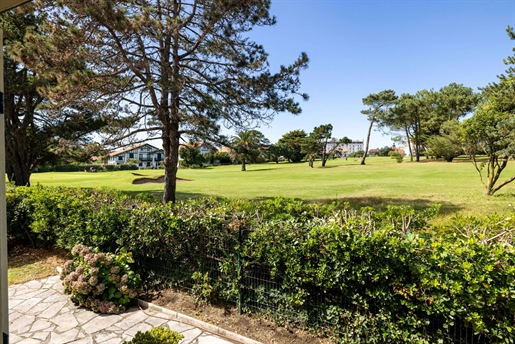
(259, 170)
(158, 195)
(329, 166)
(380, 203)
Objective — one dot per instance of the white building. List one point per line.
(355, 146)
(345, 149)
(203, 147)
(146, 154)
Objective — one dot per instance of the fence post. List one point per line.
(239, 271)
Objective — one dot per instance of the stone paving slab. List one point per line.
(39, 312)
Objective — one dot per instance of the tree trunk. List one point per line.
(18, 157)
(417, 141)
(243, 167)
(18, 138)
(409, 144)
(324, 153)
(19, 174)
(9, 171)
(372, 120)
(169, 112)
(171, 160)
(310, 162)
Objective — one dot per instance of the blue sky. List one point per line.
(362, 47)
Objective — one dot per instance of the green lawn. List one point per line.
(381, 182)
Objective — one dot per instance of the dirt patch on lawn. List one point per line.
(26, 263)
(227, 317)
(160, 179)
(20, 255)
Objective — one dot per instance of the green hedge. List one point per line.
(87, 168)
(355, 275)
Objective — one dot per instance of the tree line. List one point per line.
(252, 146)
(435, 123)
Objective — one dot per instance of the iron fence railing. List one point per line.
(258, 291)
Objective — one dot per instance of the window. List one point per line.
(131, 155)
(120, 157)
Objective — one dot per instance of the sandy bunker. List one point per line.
(159, 179)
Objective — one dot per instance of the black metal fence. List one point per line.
(250, 286)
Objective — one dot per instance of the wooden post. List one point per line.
(4, 308)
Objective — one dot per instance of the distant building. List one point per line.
(373, 152)
(331, 144)
(146, 154)
(400, 149)
(346, 149)
(203, 147)
(355, 146)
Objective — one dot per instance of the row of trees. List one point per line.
(252, 146)
(432, 123)
(425, 120)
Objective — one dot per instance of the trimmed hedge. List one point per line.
(355, 275)
(87, 168)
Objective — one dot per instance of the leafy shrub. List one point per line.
(223, 158)
(357, 154)
(203, 291)
(102, 282)
(388, 285)
(158, 335)
(397, 156)
(191, 156)
(358, 275)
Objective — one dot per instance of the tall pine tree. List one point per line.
(180, 67)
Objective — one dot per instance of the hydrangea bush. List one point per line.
(102, 282)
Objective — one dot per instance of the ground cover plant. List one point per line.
(158, 335)
(352, 274)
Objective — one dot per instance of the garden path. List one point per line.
(39, 312)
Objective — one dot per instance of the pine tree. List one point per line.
(177, 68)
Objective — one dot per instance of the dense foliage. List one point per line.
(87, 168)
(356, 275)
(36, 134)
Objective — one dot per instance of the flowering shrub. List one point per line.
(102, 282)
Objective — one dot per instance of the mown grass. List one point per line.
(382, 181)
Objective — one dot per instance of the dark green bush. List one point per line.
(158, 335)
(405, 281)
(87, 168)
